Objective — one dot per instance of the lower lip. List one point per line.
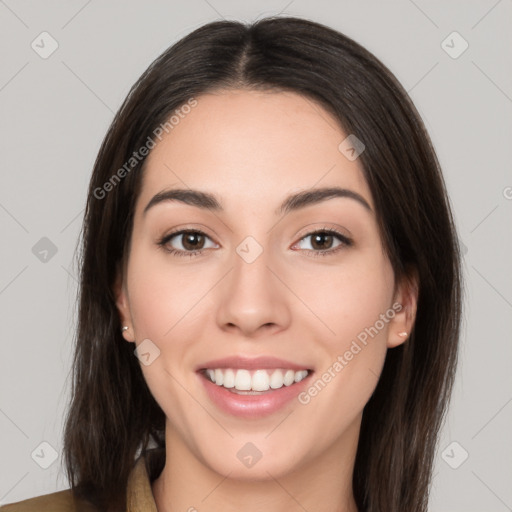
(252, 406)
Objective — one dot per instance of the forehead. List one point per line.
(253, 146)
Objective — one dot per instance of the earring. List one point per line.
(403, 334)
(125, 328)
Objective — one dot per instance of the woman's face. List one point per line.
(259, 281)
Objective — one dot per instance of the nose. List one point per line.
(253, 299)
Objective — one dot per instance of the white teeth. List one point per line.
(229, 378)
(289, 377)
(242, 380)
(260, 381)
(257, 380)
(277, 380)
(219, 377)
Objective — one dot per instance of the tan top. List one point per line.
(138, 493)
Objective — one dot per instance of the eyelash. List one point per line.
(345, 242)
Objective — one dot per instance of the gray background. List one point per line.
(54, 114)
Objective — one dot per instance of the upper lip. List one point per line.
(252, 363)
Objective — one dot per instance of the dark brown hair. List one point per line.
(112, 415)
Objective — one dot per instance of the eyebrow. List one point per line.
(294, 202)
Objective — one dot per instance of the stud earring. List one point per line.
(402, 334)
(125, 328)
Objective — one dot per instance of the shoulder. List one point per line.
(62, 501)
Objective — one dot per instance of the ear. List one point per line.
(123, 305)
(405, 305)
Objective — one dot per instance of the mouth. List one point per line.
(252, 388)
(244, 381)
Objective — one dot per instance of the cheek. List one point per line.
(162, 297)
(348, 298)
(162, 307)
(350, 302)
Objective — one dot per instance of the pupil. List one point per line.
(189, 240)
(321, 237)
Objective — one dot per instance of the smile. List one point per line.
(243, 380)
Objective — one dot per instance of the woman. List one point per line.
(221, 362)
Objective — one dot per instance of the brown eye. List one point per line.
(322, 242)
(192, 241)
(185, 242)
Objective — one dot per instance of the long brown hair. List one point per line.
(112, 417)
